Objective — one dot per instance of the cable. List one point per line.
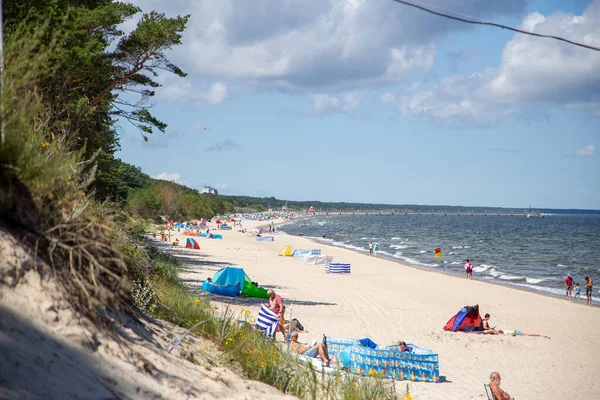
(477, 21)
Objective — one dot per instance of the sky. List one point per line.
(373, 101)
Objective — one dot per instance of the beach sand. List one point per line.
(388, 301)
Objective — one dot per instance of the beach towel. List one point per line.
(267, 321)
(337, 268)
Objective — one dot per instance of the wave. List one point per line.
(455, 263)
(536, 280)
(483, 268)
(399, 246)
(396, 238)
(562, 265)
(397, 254)
(422, 251)
(457, 247)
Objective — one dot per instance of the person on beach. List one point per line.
(517, 332)
(276, 305)
(403, 348)
(375, 248)
(318, 349)
(498, 393)
(588, 290)
(569, 285)
(176, 242)
(469, 269)
(577, 296)
(485, 327)
(370, 247)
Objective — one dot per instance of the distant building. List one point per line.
(210, 190)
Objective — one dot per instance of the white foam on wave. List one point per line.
(494, 272)
(467, 247)
(508, 277)
(396, 238)
(451, 253)
(399, 246)
(455, 263)
(536, 280)
(384, 252)
(482, 268)
(457, 247)
(422, 251)
(397, 254)
(562, 265)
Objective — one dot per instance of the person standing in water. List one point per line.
(469, 269)
(370, 247)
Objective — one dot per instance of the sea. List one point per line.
(529, 253)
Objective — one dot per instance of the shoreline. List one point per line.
(508, 284)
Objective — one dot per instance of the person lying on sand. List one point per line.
(519, 333)
(318, 349)
(498, 393)
(176, 242)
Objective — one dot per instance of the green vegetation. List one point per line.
(245, 348)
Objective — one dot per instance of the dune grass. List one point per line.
(260, 358)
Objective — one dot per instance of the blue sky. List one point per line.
(369, 101)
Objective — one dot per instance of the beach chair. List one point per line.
(488, 391)
(267, 321)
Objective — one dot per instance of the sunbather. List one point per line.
(498, 393)
(403, 348)
(318, 349)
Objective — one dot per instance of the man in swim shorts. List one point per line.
(569, 285)
(318, 349)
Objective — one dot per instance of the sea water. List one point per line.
(534, 254)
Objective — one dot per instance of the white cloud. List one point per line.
(387, 97)
(346, 101)
(588, 150)
(200, 126)
(533, 70)
(166, 176)
(313, 46)
(216, 94)
(184, 90)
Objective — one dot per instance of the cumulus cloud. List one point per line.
(167, 176)
(532, 70)
(346, 102)
(225, 145)
(313, 46)
(185, 90)
(587, 151)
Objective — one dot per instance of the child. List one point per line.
(577, 292)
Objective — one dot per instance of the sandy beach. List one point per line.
(388, 301)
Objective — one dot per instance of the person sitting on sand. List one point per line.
(403, 348)
(485, 327)
(498, 393)
(318, 349)
(176, 242)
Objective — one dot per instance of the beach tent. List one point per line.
(467, 319)
(236, 276)
(191, 244)
(286, 251)
(300, 253)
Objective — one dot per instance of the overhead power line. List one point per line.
(473, 20)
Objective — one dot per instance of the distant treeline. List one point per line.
(151, 197)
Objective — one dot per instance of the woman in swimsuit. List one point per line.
(588, 290)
